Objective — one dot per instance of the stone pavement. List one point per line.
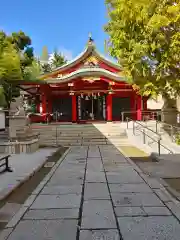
(96, 193)
(23, 166)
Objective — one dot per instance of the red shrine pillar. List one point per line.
(43, 91)
(109, 107)
(139, 107)
(74, 109)
(44, 103)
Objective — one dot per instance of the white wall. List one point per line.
(155, 104)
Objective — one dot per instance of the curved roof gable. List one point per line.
(89, 50)
(86, 72)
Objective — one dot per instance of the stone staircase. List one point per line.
(81, 134)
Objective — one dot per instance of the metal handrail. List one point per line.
(145, 134)
(171, 128)
(159, 143)
(135, 111)
(143, 126)
(156, 113)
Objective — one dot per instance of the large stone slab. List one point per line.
(45, 230)
(95, 176)
(48, 214)
(157, 211)
(99, 234)
(98, 214)
(141, 228)
(141, 211)
(64, 181)
(129, 211)
(73, 166)
(117, 167)
(96, 191)
(124, 177)
(136, 199)
(61, 190)
(93, 152)
(94, 164)
(134, 188)
(68, 175)
(117, 159)
(57, 201)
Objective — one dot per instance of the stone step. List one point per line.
(72, 135)
(82, 134)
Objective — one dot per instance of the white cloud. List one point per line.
(65, 52)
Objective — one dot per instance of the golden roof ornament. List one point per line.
(90, 41)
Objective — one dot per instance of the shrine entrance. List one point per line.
(91, 108)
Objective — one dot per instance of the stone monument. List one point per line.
(20, 134)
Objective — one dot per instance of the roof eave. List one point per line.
(87, 73)
(79, 58)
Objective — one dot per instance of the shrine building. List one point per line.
(88, 88)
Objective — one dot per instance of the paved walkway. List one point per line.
(96, 193)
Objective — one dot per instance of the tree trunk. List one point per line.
(7, 115)
(8, 105)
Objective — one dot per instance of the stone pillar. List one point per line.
(139, 108)
(74, 109)
(109, 107)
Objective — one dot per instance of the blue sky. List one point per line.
(62, 24)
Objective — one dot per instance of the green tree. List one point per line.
(144, 36)
(15, 56)
(58, 59)
(22, 43)
(34, 70)
(46, 67)
(10, 70)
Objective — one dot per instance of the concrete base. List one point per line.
(19, 147)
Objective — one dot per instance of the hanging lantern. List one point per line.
(111, 83)
(111, 92)
(71, 93)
